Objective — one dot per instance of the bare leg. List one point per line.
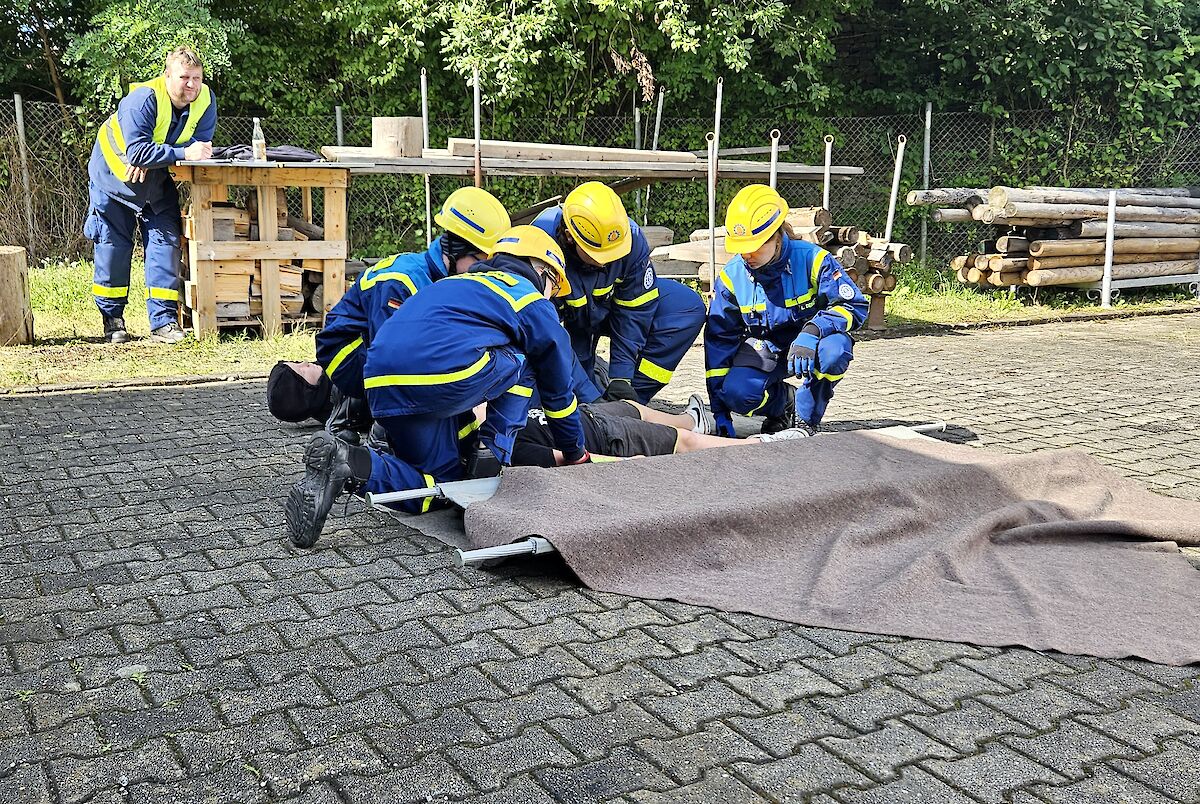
(681, 421)
(694, 442)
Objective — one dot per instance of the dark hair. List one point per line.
(291, 398)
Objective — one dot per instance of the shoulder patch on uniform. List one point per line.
(648, 279)
(846, 292)
(394, 304)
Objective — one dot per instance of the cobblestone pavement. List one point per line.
(162, 643)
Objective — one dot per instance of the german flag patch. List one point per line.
(394, 304)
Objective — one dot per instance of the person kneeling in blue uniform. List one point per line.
(472, 220)
(489, 335)
(650, 322)
(782, 308)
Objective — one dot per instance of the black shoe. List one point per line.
(168, 333)
(787, 419)
(114, 330)
(326, 475)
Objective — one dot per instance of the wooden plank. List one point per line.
(504, 149)
(698, 251)
(334, 280)
(272, 313)
(271, 250)
(291, 176)
(727, 168)
(306, 204)
(204, 314)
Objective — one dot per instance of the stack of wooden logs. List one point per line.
(238, 282)
(868, 260)
(1056, 236)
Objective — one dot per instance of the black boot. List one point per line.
(114, 329)
(331, 466)
(785, 420)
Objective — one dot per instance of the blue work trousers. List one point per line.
(752, 391)
(110, 225)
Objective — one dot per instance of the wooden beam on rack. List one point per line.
(272, 309)
(276, 250)
(204, 315)
(334, 274)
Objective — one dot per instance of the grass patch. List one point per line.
(927, 296)
(69, 348)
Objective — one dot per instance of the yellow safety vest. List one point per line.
(112, 141)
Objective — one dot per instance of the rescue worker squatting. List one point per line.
(782, 307)
(650, 322)
(160, 122)
(489, 335)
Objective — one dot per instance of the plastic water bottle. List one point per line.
(258, 144)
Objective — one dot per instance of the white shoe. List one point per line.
(705, 422)
(790, 434)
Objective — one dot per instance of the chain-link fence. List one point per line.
(387, 213)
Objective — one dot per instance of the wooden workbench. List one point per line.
(210, 182)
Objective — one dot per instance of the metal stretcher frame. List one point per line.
(464, 492)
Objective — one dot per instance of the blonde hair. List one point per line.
(790, 232)
(185, 55)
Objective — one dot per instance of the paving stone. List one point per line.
(569, 601)
(206, 752)
(1041, 706)
(599, 693)
(241, 706)
(405, 744)
(1142, 725)
(1070, 748)
(595, 735)
(948, 684)
(632, 615)
(914, 786)
(537, 638)
(621, 772)
(460, 687)
(855, 669)
(1108, 685)
(610, 654)
(687, 758)
(839, 643)
(991, 774)
(707, 629)
(882, 753)
(1174, 771)
(1016, 666)
(490, 766)
(770, 652)
(288, 774)
(686, 711)
(774, 690)
(125, 730)
(431, 779)
(810, 769)
(77, 780)
(26, 785)
(867, 708)
(507, 717)
(927, 654)
(781, 733)
(1102, 786)
(521, 675)
(717, 785)
(968, 725)
(322, 724)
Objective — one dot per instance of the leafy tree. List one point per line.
(129, 39)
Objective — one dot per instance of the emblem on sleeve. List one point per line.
(648, 279)
(846, 292)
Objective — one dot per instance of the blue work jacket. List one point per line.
(352, 323)
(619, 299)
(806, 285)
(427, 352)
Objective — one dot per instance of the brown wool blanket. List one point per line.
(865, 532)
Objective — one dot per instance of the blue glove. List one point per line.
(724, 425)
(803, 354)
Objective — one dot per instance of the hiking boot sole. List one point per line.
(310, 500)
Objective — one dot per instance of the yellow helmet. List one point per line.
(754, 214)
(533, 243)
(597, 221)
(475, 215)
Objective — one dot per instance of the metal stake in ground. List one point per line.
(828, 164)
(775, 135)
(478, 135)
(712, 211)
(887, 232)
(653, 147)
(425, 144)
(1106, 283)
(25, 174)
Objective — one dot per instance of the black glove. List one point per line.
(620, 391)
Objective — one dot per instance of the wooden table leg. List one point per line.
(334, 280)
(272, 310)
(204, 316)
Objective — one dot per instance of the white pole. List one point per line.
(716, 132)
(337, 121)
(478, 133)
(653, 147)
(425, 144)
(925, 177)
(887, 232)
(828, 165)
(24, 148)
(1106, 283)
(775, 135)
(637, 145)
(712, 210)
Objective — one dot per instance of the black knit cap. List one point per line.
(291, 398)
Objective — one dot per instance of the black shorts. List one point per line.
(616, 429)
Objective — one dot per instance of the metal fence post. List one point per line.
(25, 174)
(337, 120)
(925, 179)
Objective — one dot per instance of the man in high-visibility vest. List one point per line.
(160, 122)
